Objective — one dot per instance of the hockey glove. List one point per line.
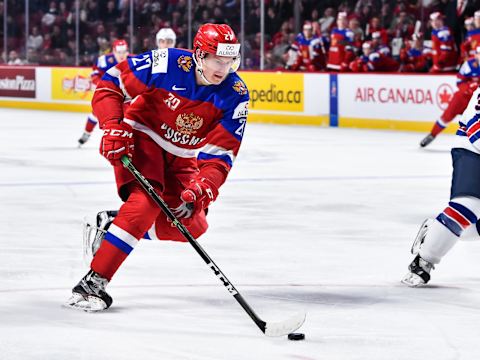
(197, 196)
(117, 141)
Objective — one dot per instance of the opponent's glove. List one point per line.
(197, 196)
(117, 141)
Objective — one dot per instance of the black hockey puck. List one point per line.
(296, 336)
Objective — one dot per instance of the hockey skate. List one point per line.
(419, 269)
(427, 140)
(419, 272)
(89, 294)
(83, 139)
(94, 231)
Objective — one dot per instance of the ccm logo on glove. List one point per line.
(118, 132)
(117, 141)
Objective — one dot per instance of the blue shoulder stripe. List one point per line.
(111, 78)
(225, 158)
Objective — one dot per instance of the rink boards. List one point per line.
(376, 101)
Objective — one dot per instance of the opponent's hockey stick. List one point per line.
(268, 328)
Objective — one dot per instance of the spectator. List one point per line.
(52, 23)
(358, 34)
(111, 14)
(58, 38)
(35, 39)
(101, 34)
(88, 46)
(402, 26)
(65, 16)
(327, 21)
(386, 16)
(283, 34)
(14, 58)
(375, 26)
(272, 21)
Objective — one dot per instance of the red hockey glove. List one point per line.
(196, 197)
(117, 141)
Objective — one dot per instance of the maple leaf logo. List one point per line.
(444, 95)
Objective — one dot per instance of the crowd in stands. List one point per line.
(351, 35)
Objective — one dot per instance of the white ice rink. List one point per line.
(317, 219)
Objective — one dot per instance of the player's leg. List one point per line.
(457, 106)
(437, 237)
(89, 126)
(134, 218)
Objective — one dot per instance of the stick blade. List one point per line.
(283, 328)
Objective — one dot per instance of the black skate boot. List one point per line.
(89, 294)
(94, 231)
(83, 139)
(427, 140)
(419, 272)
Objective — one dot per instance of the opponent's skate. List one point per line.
(419, 272)
(419, 269)
(94, 231)
(89, 294)
(83, 139)
(427, 140)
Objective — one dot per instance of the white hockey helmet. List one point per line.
(166, 34)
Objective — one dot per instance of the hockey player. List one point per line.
(444, 50)
(378, 44)
(166, 38)
(311, 50)
(437, 237)
(467, 82)
(413, 57)
(341, 51)
(103, 63)
(372, 60)
(183, 131)
(468, 46)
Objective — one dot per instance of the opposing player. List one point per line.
(166, 38)
(183, 131)
(467, 82)
(103, 63)
(437, 237)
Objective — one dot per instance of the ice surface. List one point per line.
(311, 219)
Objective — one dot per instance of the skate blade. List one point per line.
(413, 280)
(91, 304)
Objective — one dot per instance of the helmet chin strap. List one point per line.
(199, 68)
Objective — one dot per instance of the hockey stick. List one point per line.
(268, 328)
